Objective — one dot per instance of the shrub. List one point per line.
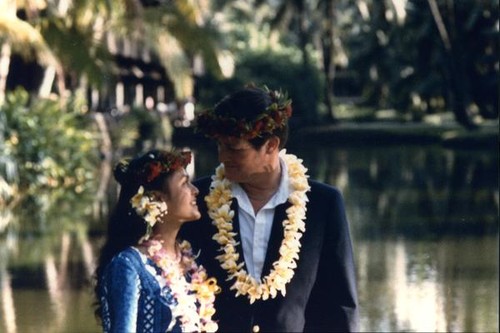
(49, 150)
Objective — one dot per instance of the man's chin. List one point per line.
(231, 176)
(232, 179)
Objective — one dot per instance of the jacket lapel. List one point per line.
(276, 237)
(236, 229)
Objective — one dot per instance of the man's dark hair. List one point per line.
(248, 104)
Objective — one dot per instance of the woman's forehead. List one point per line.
(180, 173)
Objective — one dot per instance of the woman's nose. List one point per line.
(195, 190)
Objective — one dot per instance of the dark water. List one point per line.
(424, 222)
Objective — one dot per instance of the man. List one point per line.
(277, 242)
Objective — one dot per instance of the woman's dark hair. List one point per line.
(125, 226)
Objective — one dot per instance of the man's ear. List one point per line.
(272, 144)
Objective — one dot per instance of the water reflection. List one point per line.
(425, 233)
(415, 191)
(444, 285)
(45, 285)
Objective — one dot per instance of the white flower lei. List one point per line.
(219, 202)
(194, 308)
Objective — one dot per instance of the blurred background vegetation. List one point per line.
(395, 103)
(84, 82)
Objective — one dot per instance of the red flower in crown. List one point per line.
(155, 168)
(163, 163)
(258, 126)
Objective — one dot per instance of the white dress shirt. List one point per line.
(255, 229)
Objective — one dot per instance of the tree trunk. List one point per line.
(328, 48)
(45, 88)
(5, 52)
(53, 73)
(303, 32)
(100, 203)
(459, 94)
(8, 8)
(7, 298)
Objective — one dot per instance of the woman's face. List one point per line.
(181, 200)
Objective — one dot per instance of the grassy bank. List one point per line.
(386, 132)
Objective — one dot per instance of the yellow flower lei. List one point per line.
(219, 202)
(195, 299)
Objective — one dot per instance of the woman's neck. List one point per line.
(168, 237)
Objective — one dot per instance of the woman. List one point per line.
(148, 281)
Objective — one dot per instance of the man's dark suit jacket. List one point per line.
(321, 295)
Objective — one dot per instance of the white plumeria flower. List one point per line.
(219, 207)
(149, 209)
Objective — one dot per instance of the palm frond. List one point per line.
(176, 64)
(25, 40)
(77, 49)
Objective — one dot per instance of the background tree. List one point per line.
(431, 57)
(73, 35)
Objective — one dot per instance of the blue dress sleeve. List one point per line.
(123, 286)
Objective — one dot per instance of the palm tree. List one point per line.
(464, 66)
(47, 35)
(22, 38)
(178, 33)
(315, 24)
(72, 36)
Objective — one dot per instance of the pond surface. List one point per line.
(424, 223)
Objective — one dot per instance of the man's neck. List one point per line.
(263, 187)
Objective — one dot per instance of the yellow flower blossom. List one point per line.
(149, 208)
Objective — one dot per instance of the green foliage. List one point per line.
(275, 70)
(412, 67)
(49, 150)
(137, 129)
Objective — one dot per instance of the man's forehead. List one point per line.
(233, 141)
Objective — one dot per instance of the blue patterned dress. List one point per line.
(133, 297)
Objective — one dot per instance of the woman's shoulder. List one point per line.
(130, 257)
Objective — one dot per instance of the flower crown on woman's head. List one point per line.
(273, 117)
(147, 203)
(149, 167)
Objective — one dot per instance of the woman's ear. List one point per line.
(158, 195)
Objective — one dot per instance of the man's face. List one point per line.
(241, 160)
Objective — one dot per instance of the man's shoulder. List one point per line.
(323, 188)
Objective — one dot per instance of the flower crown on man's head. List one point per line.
(273, 117)
(146, 169)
